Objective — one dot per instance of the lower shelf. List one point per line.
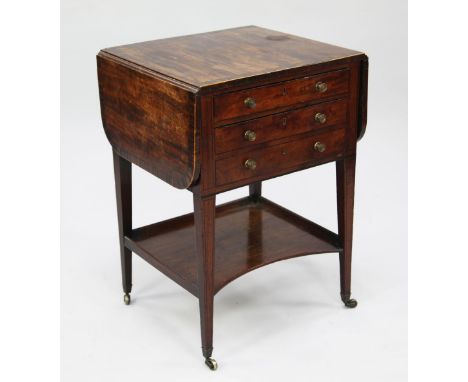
(248, 235)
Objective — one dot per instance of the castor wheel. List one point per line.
(127, 299)
(349, 302)
(211, 363)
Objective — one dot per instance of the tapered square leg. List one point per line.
(255, 190)
(345, 174)
(123, 191)
(204, 208)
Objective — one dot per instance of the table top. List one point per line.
(212, 58)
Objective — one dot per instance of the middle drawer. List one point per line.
(281, 125)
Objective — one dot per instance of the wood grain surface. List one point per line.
(280, 158)
(295, 92)
(180, 109)
(149, 121)
(249, 234)
(280, 125)
(207, 59)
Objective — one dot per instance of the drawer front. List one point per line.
(270, 97)
(277, 126)
(275, 160)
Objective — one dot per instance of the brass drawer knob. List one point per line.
(250, 102)
(250, 164)
(250, 135)
(320, 147)
(321, 87)
(320, 117)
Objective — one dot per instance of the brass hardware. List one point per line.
(320, 117)
(250, 102)
(320, 147)
(250, 135)
(250, 164)
(127, 299)
(211, 363)
(321, 87)
(285, 120)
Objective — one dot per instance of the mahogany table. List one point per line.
(216, 111)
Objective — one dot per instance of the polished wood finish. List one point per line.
(281, 125)
(280, 158)
(230, 55)
(255, 190)
(151, 111)
(204, 218)
(362, 115)
(220, 110)
(345, 174)
(123, 191)
(249, 234)
(149, 121)
(302, 91)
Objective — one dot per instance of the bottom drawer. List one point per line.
(275, 160)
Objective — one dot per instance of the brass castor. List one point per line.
(127, 299)
(211, 363)
(349, 302)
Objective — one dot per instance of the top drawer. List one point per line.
(270, 97)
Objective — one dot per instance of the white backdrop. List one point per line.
(284, 321)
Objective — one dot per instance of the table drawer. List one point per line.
(281, 125)
(270, 97)
(275, 160)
